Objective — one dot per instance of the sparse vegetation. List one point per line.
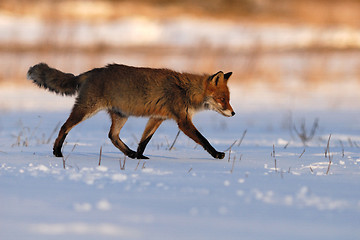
(122, 166)
(305, 135)
(64, 159)
(172, 189)
(100, 155)
(176, 137)
(327, 154)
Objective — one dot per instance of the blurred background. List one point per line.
(273, 45)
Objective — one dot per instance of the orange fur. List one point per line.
(144, 92)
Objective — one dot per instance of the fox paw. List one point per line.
(219, 155)
(57, 153)
(141, 157)
(131, 154)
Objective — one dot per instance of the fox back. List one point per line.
(155, 92)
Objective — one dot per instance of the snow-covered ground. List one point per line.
(183, 193)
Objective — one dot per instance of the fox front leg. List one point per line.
(190, 130)
(151, 126)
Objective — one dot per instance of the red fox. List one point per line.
(125, 91)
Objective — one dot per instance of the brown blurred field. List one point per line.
(323, 12)
(312, 64)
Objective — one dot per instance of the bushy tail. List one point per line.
(54, 80)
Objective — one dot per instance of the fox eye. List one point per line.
(222, 99)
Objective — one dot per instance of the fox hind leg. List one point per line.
(151, 126)
(78, 114)
(118, 122)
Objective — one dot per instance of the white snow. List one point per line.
(271, 186)
(182, 193)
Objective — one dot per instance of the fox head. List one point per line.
(217, 94)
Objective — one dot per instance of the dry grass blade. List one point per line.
(229, 148)
(302, 153)
(137, 165)
(242, 138)
(273, 154)
(100, 155)
(328, 169)
(233, 163)
(327, 150)
(303, 135)
(122, 167)
(229, 155)
(176, 137)
(65, 159)
(328, 153)
(342, 148)
(352, 143)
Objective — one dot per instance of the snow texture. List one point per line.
(269, 185)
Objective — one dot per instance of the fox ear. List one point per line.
(216, 78)
(227, 76)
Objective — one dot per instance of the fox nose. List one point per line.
(232, 113)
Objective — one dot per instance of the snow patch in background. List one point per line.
(82, 228)
(176, 32)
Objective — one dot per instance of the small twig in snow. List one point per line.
(137, 165)
(302, 153)
(342, 148)
(273, 154)
(122, 167)
(65, 159)
(327, 150)
(233, 164)
(229, 155)
(100, 155)
(328, 169)
(242, 138)
(229, 148)
(172, 145)
(330, 157)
